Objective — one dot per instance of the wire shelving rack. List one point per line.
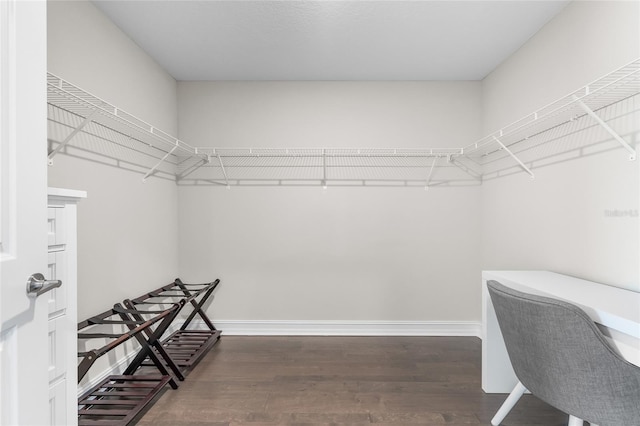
(600, 116)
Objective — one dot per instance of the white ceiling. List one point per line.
(330, 40)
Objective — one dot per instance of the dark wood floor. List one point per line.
(340, 380)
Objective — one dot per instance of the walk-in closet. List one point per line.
(294, 212)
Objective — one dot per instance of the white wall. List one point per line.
(558, 221)
(127, 229)
(283, 253)
(347, 254)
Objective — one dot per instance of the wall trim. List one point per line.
(309, 328)
(346, 328)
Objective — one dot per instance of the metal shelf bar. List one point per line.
(548, 131)
(466, 169)
(75, 131)
(622, 83)
(224, 172)
(324, 169)
(426, 185)
(524, 167)
(67, 97)
(162, 160)
(608, 128)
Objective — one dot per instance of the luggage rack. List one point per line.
(119, 399)
(185, 346)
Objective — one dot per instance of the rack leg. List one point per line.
(197, 307)
(147, 351)
(155, 343)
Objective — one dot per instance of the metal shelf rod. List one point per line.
(143, 127)
(586, 91)
(524, 167)
(426, 186)
(521, 140)
(224, 172)
(153, 169)
(324, 169)
(608, 128)
(75, 131)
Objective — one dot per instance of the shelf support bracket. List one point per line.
(324, 169)
(224, 172)
(153, 169)
(608, 128)
(71, 135)
(524, 167)
(194, 167)
(468, 170)
(426, 184)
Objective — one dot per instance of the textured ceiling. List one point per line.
(330, 40)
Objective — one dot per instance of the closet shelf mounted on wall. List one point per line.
(104, 132)
(596, 118)
(580, 123)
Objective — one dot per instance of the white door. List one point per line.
(23, 212)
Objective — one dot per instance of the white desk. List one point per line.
(615, 310)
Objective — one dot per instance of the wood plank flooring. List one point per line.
(261, 381)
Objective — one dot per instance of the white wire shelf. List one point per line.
(324, 166)
(569, 124)
(598, 117)
(99, 129)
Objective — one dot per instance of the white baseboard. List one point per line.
(310, 328)
(347, 328)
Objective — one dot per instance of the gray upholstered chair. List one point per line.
(560, 355)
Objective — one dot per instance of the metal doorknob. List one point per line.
(37, 285)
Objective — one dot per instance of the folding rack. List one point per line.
(102, 132)
(184, 347)
(119, 398)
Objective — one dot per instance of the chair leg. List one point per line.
(574, 421)
(508, 404)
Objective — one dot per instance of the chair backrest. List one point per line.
(560, 355)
